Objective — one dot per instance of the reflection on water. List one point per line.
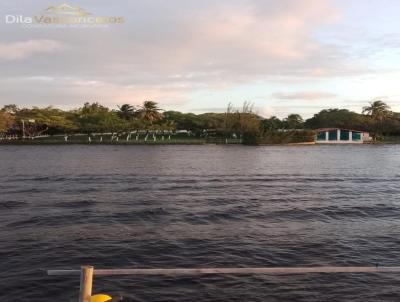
(199, 206)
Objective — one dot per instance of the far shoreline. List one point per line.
(173, 143)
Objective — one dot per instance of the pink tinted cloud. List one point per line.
(24, 49)
(304, 95)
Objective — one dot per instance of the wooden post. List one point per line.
(85, 291)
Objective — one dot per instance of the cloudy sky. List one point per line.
(286, 56)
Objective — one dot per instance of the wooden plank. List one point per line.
(63, 272)
(232, 271)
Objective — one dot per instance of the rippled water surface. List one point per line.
(199, 206)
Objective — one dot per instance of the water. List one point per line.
(199, 206)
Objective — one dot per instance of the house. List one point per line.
(341, 136)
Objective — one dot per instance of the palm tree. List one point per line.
(126, 111)
(378, 110)
(150, 111)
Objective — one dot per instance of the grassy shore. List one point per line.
(84, 140)
(173, 140)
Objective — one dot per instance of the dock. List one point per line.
(87, 273)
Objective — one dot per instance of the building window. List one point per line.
(333, 135)
(344, 135)
(321, 136)
(356, 136)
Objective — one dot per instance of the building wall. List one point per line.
(364, 136)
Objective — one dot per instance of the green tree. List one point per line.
(11, 108)
(183, 121)
(49, 120)
(243, 122)
(294, 121)
(378, 110)
(271, 124)
(97, 118)
(341, 118)
(6, 121)
(126, 111)
(212, 121)
(150, 111)
(7, 117)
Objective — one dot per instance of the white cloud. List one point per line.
(304, 95)
(25, 49)
(41, 78)
(183, 52)
(72, 92)
(265, 111)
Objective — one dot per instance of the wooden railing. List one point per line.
(87, 273)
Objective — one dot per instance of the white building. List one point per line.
(341, 136)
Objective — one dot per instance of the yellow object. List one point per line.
(100, 298)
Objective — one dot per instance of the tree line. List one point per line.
(376, 118)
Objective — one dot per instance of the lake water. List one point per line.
(199, 206)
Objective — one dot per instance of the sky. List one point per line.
(286, 56)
